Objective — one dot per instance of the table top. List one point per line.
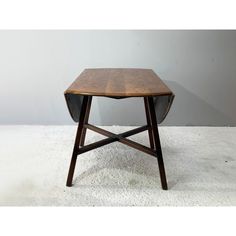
(119, 82)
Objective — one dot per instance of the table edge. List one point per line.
(68, 91)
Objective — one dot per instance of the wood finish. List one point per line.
(119, 83)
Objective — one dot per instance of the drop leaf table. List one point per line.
(119, 83)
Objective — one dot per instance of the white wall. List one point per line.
(37, 66)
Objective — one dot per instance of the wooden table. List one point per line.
(118, 84)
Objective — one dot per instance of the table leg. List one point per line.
(150, 133)
(77, 141)
(88, 107)
(157, 143)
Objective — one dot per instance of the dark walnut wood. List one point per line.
(118, 83)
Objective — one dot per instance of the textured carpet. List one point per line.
(200, 165)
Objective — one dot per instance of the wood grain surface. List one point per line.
(119, 82)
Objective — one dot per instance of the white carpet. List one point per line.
(200, 165)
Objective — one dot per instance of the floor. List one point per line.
(200, 165)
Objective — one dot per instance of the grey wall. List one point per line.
(37, 66)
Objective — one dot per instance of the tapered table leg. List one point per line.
(150, 133)
(157, 143)
(86, 121)
(77, 142)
